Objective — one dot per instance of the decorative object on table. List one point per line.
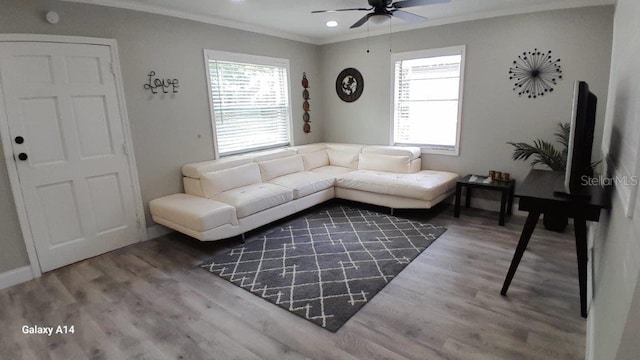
(498, 176)
(349, 85)
(480, 179)
(154, 83)
(470, 182)
(535, 73)
(326, 264)
(305, 105)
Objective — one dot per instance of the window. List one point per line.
(427, 99)
(249, 98)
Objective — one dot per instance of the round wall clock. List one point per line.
(349, 85)
(535, 73)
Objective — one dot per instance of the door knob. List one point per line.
(23, 156)
(19, 139)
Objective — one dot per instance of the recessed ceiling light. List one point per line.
(332, 23)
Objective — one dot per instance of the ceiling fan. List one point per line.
(384, 9)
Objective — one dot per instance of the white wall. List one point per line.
(168, 132)
(614, 319)
(492, 112)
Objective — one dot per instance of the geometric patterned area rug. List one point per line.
(326, 264)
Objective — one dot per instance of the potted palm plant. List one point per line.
(543, 152)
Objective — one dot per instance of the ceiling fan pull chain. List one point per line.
(389, 35)
(367, 37)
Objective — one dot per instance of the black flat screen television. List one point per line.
(583, 121)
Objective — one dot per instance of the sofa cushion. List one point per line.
(332, 171)
(272, 169)
(304, 183)
(193, 212)
(254, 198)
(216, 182)
(423, 185)
(303, 149)
(390, 163)
(346, 159)
(412, 152)
(315, 159)
(270, 154)
(196, 170)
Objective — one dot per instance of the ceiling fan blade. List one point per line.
(407, 16)
(361, 21)
(412, 3)
(331, 11)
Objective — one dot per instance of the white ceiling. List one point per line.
(291, 19)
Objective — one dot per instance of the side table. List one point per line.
(507, 189)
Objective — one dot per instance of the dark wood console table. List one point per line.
(536, 196)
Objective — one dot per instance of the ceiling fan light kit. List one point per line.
(383, 10)
(379, 19)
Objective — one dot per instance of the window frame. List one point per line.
(248, 59)
(418, 54)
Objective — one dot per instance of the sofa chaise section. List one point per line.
(391, 176)
(423, 189)
(195, 216)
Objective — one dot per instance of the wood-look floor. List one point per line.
(151, 301)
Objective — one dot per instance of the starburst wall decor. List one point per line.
(535, 72)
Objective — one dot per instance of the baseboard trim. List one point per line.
(157, 230)
(15, 277)
(589, 347)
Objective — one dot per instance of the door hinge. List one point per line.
(125, 149)
(113, 72)
(138, 222)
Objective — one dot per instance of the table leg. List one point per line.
(467, 200)
(456, 207)
(510, 200)
(529, 226)
(580, 227)
(503, 205)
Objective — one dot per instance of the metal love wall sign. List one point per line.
(155, 84)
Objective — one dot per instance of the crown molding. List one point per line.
(214, 20)
(459, 19)
(207, 19)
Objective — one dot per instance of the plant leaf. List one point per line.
(562, 134)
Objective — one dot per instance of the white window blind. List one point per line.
(427, 97)
(250, 102)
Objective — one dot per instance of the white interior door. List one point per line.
(68, 141)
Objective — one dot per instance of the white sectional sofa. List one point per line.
(230, 196)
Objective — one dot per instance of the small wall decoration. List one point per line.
(305, 105)
(163, 84)
(349, 85)
(535, 73)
